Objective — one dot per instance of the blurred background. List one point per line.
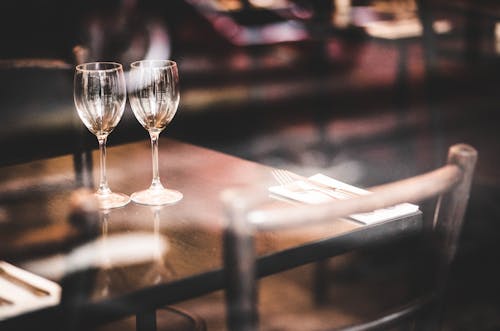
(364, 91)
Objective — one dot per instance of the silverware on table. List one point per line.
(286, 177)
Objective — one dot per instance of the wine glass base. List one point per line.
(112, 200)
(156, 197)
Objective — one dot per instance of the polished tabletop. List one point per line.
(35, 233)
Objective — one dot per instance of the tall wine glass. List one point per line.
(100, 95)
(153, 90)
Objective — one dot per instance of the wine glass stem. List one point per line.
(155, 184)
(103, 182)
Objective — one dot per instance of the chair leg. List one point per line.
(82, 162)
(321, 282)
(146, 321)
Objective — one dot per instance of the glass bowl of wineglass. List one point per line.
(100, 95)
(153, 90)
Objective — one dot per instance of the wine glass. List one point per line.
(100, 95)
(153, 90)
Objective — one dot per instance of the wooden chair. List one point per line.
(450, 184)
(34, 88)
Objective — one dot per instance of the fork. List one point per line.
(286, 177)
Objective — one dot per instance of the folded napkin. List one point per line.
(304, 191)
(22, 291)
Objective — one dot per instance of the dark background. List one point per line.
(339, 101)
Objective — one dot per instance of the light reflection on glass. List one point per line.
(116, 250)
(160, 270)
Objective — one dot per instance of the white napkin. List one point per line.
(298, 191)
(22, 300)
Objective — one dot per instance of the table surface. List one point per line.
(34, 227)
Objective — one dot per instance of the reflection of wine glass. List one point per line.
(100, 95)
(154, 97)
(160, 270)
(105, 262)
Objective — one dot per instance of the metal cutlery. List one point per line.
(286, 177)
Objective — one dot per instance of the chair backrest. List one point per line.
(39, 115)
(450, 184)
(82, 156)
(35, 95)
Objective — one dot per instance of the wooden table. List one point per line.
(34, 227)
